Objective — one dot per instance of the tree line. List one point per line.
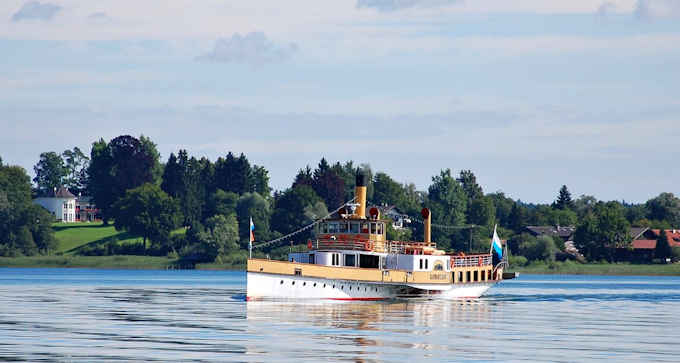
(214, 201)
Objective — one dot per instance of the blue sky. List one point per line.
(529, 94)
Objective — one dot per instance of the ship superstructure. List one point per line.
(351, 259)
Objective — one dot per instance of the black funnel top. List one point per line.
(362, 178)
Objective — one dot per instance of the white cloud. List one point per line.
(606, 8)
(253, 48)
(35, 10)
(650, 9)
(394, 5)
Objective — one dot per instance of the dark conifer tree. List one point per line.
(662, 250)
(564, 200)
(172, 177)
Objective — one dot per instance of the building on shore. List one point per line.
(66, 207)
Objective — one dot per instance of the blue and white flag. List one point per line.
(496, 247)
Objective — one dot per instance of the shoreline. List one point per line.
(133, 262)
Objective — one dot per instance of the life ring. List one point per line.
(479, 261)
(367, 245)
(309, 244)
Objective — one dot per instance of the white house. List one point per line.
(61, 203)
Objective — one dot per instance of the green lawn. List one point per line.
(70, 236)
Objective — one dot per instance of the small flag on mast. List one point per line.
(252, 237)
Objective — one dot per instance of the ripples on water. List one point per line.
(87, 315)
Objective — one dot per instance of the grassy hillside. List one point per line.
(73, 235)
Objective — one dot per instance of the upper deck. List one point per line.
(366, 235)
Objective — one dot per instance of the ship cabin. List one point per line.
(362, 243)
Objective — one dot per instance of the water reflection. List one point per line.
(71, 315)
(412, 325)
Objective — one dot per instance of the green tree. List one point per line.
(662, 250)
(260, 181)
(482, 212)
(518, 217)
(304, 177)
(448, 203)
(25, 228)
(76, 164)
(542, 248)
(172, 177)
(602, 231)
(49, 172)
(222, 231)
(584, 204)
(253, 205)
(468, 181)
(387, 191)
(233, 174)
(100, 180)
(149, 149)
(149, 212)
(122, 164)
(504, 207)
(289, 214)
(221, 202)
(564, 199)
(328, 185)
(664, 207)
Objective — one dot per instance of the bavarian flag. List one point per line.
(496, 247)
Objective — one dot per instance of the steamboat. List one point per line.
(351, 259)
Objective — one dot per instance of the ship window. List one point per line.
(488, 275)
(373, 228)
(364, 227)
(483, 275)
(460, 276)
(315, 284)
(335, 259)
(467, 277)
(380, 228)
(324, 228)
(312, 259)
(343, 227)
(369, 261)
(298, 271)
(476, 276)
(438, 267)
(350, 260)
(333, 227)
(354, 227)
(421, 263)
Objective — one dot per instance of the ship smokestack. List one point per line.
(360, 193)
(427, 222)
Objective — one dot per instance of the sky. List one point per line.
(528, 94)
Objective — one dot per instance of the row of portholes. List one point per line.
(342, 287)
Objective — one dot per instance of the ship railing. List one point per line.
(342, 244)
(472, 260)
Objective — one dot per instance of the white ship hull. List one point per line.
(275, 286)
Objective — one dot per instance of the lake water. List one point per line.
(109, 315)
